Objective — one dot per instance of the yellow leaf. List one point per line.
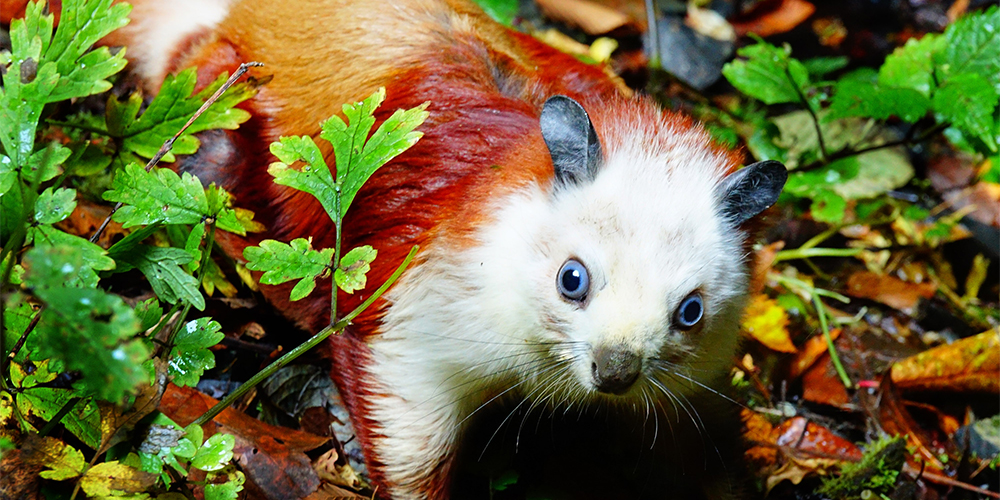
(62, 461)
(767, 322)
(113, 479)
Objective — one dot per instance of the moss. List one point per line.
(875, 473)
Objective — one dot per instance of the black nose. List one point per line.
(615, 369)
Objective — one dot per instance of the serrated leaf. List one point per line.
(91, 332)
(911, 66)
(860, 94)
(157, 196)
(114, 479)
(971, 46)
(215, 453)
(173, 105)
(357, 159)
(193, 246)
(228, 218)
(283, 262)
(81, 25)
(190, 356)
(60, 259)
(350, 274)
(162, 267)
(83, 421)
(968, 101)
(314, 178)
(768, 74)
(54, 206)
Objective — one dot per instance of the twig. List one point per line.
(805, 253)
(834, 357)
(906, 141)
(169, 143)
(819, 133)
(309, 344)
(68, 407)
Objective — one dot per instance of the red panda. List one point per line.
(578, 246)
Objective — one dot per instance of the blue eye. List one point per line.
(690, 311)
(573, 280)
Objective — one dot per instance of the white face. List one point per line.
(652, 278)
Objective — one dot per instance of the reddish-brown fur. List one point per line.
(486, 86)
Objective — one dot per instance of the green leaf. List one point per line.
(60, 259)
(822, 66)
(350, 275)
(502, 11)
(193, 246)
(7, 174)
(17, 316)
(828, 207)
(61, 460)
(860, 94)
(283, 262)
(190, 356)
(968, 101)
(971, 46)
(228, 218)
(43, 165)
(149, 313)
(54, 206)
(83, 421)
(157, 196)
(172, 107)
(911, 66)
(768, 74)
(91, 332)
(314, 178)
(81, 25)
(358, 159)
(215, 453)
(228, 490)
(162, 267)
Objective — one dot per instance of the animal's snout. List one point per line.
(615, 369)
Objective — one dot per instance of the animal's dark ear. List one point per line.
(751, 190)
(571, 140)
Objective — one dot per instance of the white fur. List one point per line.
(161, 27)
(464, 327)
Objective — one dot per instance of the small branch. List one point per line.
(85, 128)
(806, 253)
(906, 141)
(169, 143)
(309, 344)
(819, 133)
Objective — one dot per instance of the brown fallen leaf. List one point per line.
(810, 449)
(889, 290)
(274, 467)
(983, 197)
(889, 411)
(773, 17)
(968, 365)
(821, 384)
(591, 17)
(810, 353)
(85, 220)
(184, 404)
(763, 260)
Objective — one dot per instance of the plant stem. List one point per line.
(336, 257)
(834, 357)
(309, 344)
(78, 126)
(891, 144)
(805, 253)
(815, 119)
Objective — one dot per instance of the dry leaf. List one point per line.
(767, 322)
(592, 18)
(811, 351)
(113, 479)
(821, 384)
(889, 290)
(773, 17)
(968, 365)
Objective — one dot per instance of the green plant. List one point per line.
(59, 318)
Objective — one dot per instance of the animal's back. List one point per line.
(485, 85)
